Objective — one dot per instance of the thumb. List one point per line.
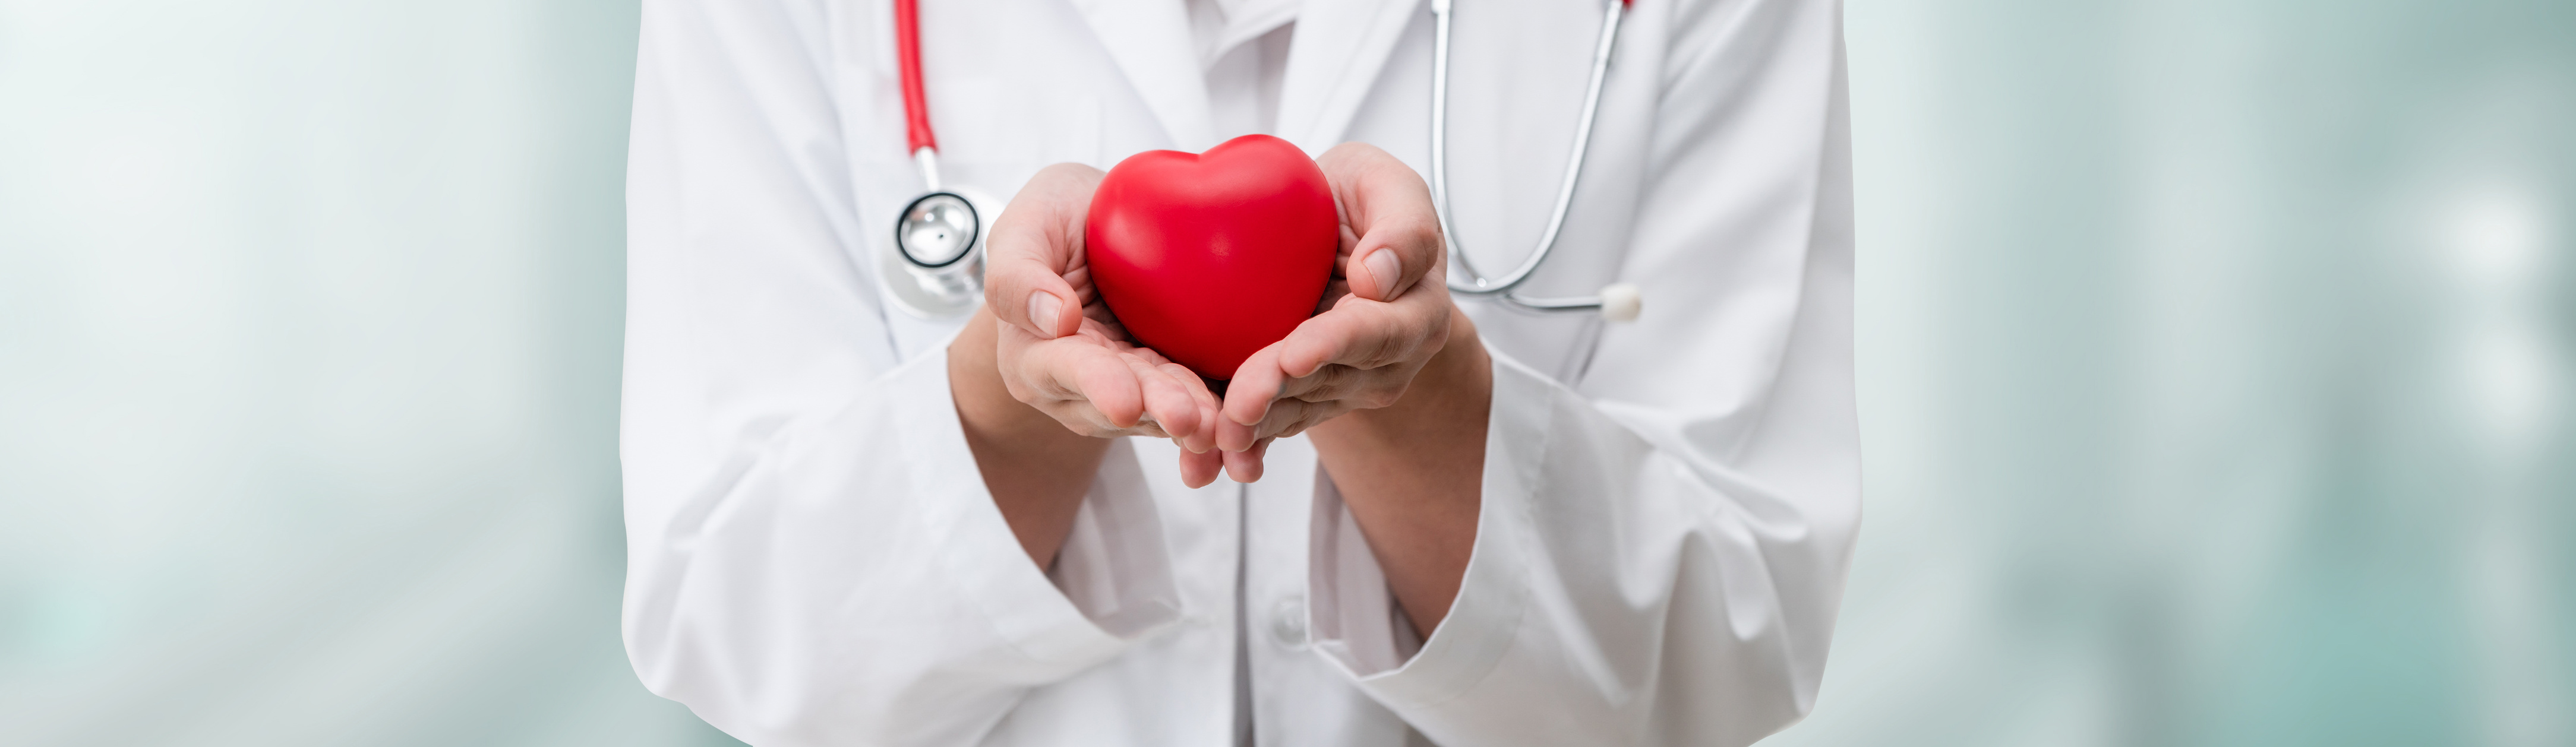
(1035, 243)
(1390, 209)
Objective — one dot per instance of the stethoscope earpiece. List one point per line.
(1621, 302)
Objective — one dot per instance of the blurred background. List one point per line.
(2216, 374)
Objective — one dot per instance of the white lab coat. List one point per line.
(1668, 508)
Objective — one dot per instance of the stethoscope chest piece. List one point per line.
(936, 270)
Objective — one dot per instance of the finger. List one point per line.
(1191, 385)
(1245, 465)
(1096, 377)
(1387, 204)
(1035, 243)
(1327, 382)
(1112, 390)
(1024, 287)
(1232, 437)
(1165, 399)
(1200, 468)
(1333, 293)
(1365, 335)
(1255, 384)
(1312, 419)
(1292, 417)
(1204, 437)
(1284, 414)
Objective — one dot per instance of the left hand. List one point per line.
(1058, 350)
(1384, 315)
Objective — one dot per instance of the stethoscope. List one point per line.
(1618, 302)
(939, 236)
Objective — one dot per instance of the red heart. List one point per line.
(1208, 258)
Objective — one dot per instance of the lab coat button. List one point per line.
(1288, 622)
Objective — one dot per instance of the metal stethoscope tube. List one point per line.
(1618, 302)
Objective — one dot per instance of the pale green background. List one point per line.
(2215, 373)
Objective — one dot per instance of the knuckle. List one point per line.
(1420, 236)
(1027, 395)
(1385, 346)
(1327, 384)
(1379, 397)
(1079, 421)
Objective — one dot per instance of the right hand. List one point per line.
(1060, 351)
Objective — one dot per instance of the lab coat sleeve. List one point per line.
(812, 556)
(1661, 550)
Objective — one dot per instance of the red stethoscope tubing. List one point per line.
(916, 101)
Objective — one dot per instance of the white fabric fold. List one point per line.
(1113, 565)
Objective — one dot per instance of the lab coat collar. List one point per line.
(1339, 48)
(1246, 20)
(1150, 41)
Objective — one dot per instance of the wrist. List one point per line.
(1411, 474)
(1036, 469)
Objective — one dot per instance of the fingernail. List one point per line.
(1043, 308)
(1383, 266)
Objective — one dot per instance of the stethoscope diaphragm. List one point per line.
(938, 229)
(936, 270)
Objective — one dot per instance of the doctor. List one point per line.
(1463, 525)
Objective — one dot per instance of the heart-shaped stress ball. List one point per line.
(1208, 258)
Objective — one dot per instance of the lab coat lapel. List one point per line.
(1150, 41)
(1339, 48)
